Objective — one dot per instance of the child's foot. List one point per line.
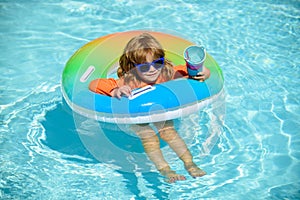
(171, 176)
(194, 170)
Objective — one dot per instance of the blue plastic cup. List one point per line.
(194, 57)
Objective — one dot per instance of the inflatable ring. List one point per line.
(165, 101)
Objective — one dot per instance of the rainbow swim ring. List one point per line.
(165, 101)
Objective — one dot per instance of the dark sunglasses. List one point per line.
(157, 64)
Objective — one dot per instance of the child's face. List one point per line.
(152, 74)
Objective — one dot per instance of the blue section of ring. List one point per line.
(166, 96)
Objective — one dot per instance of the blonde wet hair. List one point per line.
(135, 52)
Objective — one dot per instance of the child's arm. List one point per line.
(181, 71)
(103, 86)
(110, 87)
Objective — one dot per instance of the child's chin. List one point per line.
(150, 81)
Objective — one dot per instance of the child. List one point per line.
(143, 63)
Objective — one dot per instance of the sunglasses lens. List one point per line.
(144, 67)
(158, 63)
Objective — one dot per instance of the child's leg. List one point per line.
(151, 146)
(170, 135)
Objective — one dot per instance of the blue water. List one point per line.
(255, 42)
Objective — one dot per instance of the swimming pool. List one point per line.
(257, 45)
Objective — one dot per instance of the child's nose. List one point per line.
(152, 68)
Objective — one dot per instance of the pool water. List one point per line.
(257, 150)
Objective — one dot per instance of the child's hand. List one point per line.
(202, 76)
(199, 77)
(121, 91)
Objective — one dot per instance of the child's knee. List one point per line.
(168, 134)
(151, 144)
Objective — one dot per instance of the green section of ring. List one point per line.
(103, 53)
